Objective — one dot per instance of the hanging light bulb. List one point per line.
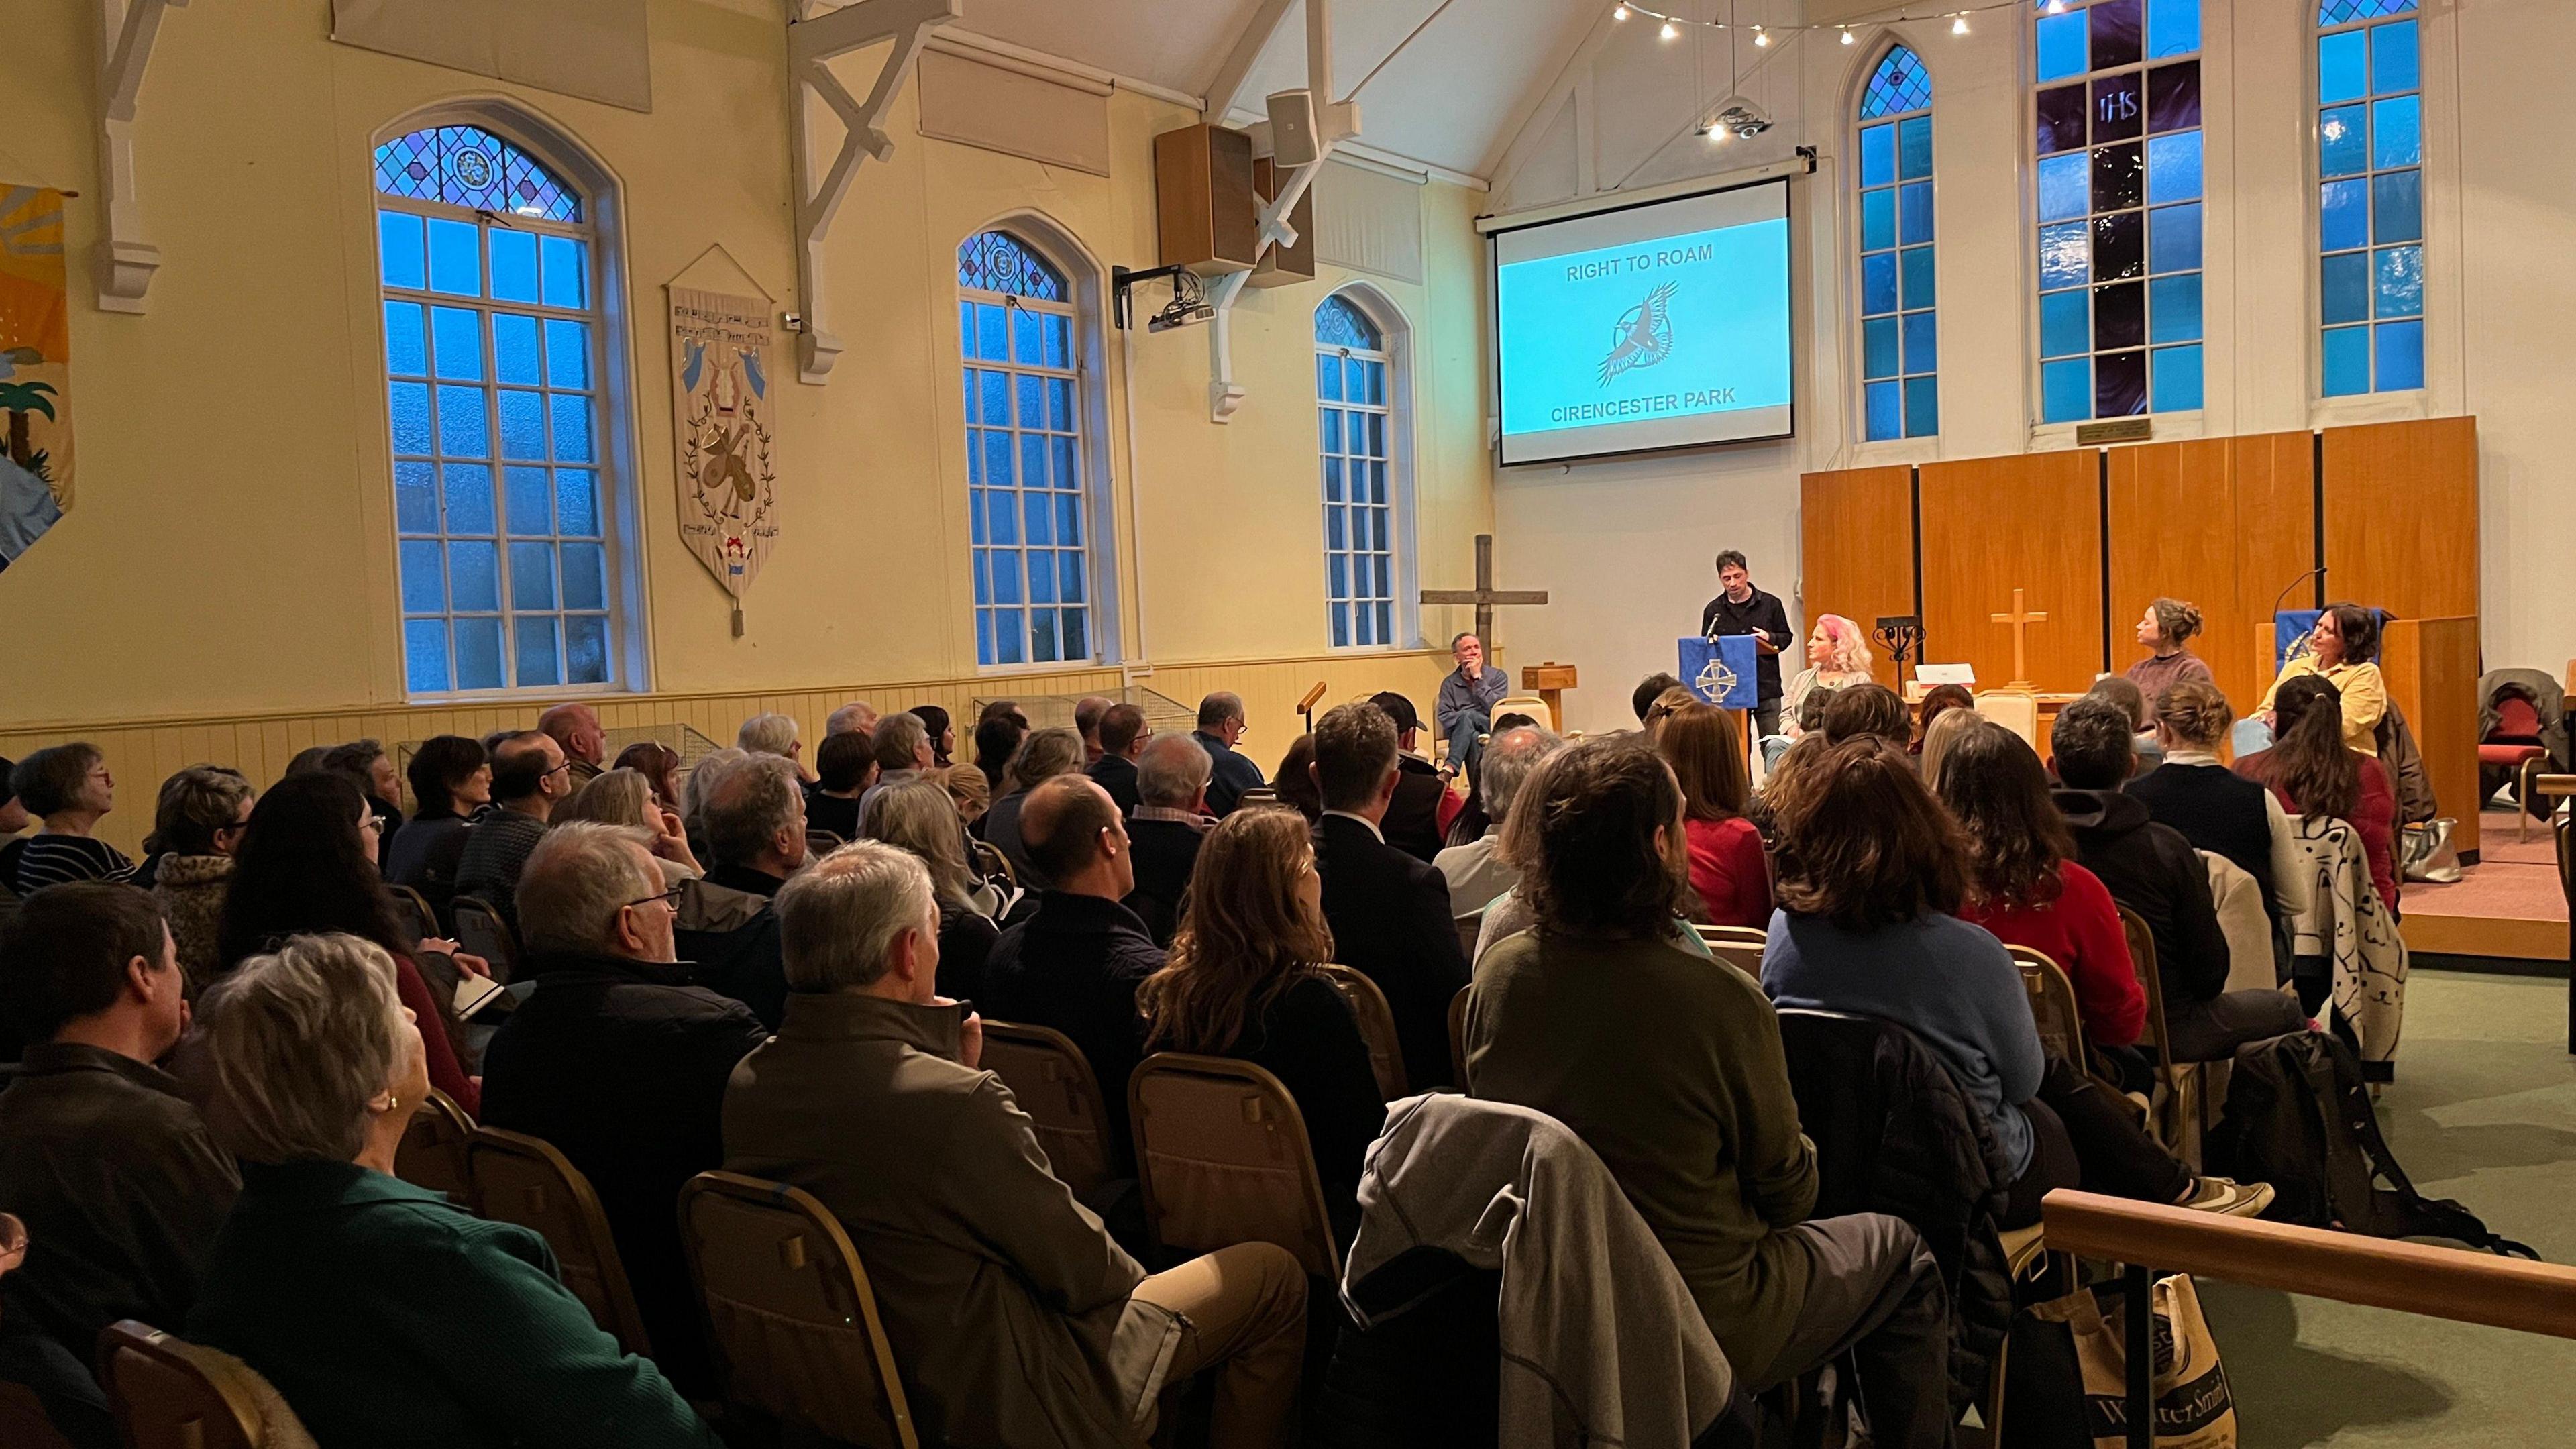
(1668, 32)
(1761, 37)
(2056, 7)
(1848, 37)
(1621, 13)
(1959, 26)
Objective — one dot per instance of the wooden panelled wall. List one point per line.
(2092, 536)
(143, 754)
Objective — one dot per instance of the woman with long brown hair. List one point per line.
(1241, 982)
(2314, 771)
(1727, 867)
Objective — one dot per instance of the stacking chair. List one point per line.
(432, 1151)
(1528, 704)
(1259, 795)
(791, 1318)
(1053, 1083)
(412, 912)
(1742, 935)
(2175, 1110)
(2015, 709)
(1458, 1036)
(1469, 928)
(170, 1394)
(1738, 946)
(1377, 1028)
(1222, 1158)
(819, 843)
(2052, 1006)
(518, 1179)
(992, 864)
(480, 930)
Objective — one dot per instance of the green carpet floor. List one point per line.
(2484, 1111)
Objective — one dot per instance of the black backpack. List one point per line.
(2299, 1118)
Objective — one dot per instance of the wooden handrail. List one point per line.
(2450, 1283)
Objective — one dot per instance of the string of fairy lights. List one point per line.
(1762, 33)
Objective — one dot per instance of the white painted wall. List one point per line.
(1626, 544)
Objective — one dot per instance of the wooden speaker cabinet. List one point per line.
(1283, 266)
(1205, 215)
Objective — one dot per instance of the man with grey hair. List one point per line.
(615, 1036)
(770, 734)
(585, 744)
(1086, 721)
(1164, 832)
(1476, 871)
(903, 750)
(870, 1098)
(755, 828)
(855, 717)
(1221, 727)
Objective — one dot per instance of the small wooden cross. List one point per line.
(2021, 620)
(1484, 595)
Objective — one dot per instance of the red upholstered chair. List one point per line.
(2513, 748)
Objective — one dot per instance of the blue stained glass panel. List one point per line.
(1878, 155)
(2173, 308)
(2119, 384)
(478, 654)
(532, 576)
(2173, 167)
(425, 655)
(514, 349)
(1065, 476)
(1914, 148)
(567, 353)
(2343, 67)
(1006, 576)
(2396, 207)
(424, 579)
(1339, 322)
(2177, 379)
(1921, 281)
(464, 429)
(416, 497)
(2065, 186)
(2399, 287)
(2061, 46)
(529, 493)
(1042, 635)
(2173, 27)
(1025, 346)
(2395, 60)
(1328, 378)
(1002, 517)
(2117, 33)
(1033, 460)
(1922, 407)
(2347, 361)
(2343, 141)
(523, 425)
(1900, 84)
(537, 657)
(2397, 132)
(2345, 287)
(585, 576)
(404, 260)
(2061, 118)
(455, 258)
(1059, 341)
(1879, 344)
(1069, 573)
(2173, 238)
(406, 346)
(2343, 215)
(514, 265)
(2401, 357)
(572, 427)
(992, 332)
(458, 333)
(996, 387)
(2339, 12)
(567, 272)
(1916, 212)
(2066, 391)
(995, 261)
(1059, 405)
(1032, 390)
(467, 489)
(2065, 255)
(474, 576)
(468, 166)
(997, 458)
(2065, 323)
(585, 649)
(1922, 342)
(577, 503)
(1878, 283)
(408, 406)
(1877, 220)
(1037, 518)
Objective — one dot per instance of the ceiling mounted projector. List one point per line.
(1740, 118)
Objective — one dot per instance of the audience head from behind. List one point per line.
(306, 863)
(1221, 717)
(13, 811)
(92, 963)
(1672, 701)
(2123, 691)
(317, 757)
(1077, 837)
(203, 810)
(769, 734)
(1861, 843)
(1939, 700)
(1511, 754)
(1706, 750)
(1650, 689)
(856, 717)
(968, 790)
(68, 787)
(1086, 721)
(368, 767)
(2192, 714)
(1294, 781)
(1123, 731)
(1995, 788)
(1354, 767)
(846, 764)
(1868, 709)
(2344, 634)
(1811, 710)
(1253, 926)
(755, 816)
(2095, 744)
(659, 764)
(942, 734)
(1596, 833)
(1008, 709)
(310, 1056)
(704, 776)
(1173, 772)
(1945, 731)
(576, 727)
(997, 740)
(864, 920)
(2167, 625)
(919, 816)
(530, 774)
(901, 742)
(2309, 760)
(450, 775)
(594, 889)
(1045, 755)
(1399, 710)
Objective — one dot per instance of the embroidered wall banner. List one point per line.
(35, 369)
(727, 483)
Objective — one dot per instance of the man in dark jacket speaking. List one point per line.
(1741, 608)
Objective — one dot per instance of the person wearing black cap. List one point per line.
(1412, 822)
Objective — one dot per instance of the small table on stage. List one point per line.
(1549, 682)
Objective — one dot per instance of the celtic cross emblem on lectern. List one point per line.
(1715, 679)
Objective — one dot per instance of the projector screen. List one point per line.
(1656, 326)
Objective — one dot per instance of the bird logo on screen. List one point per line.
(1643, 336)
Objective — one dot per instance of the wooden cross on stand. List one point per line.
(2021, 620)
(1484, 595)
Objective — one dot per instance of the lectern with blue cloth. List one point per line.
(1720, 670)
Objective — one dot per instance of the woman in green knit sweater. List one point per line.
(1669, 1066)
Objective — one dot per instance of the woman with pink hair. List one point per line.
(1838, 657)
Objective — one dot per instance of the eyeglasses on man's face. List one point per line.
(669, 898)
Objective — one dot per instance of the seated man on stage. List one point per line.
(1465, 709)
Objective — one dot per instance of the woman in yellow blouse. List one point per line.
(2343, 650)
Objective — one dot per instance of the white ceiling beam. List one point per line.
(1240, 58)
(1512, 145)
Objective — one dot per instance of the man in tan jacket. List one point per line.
(1015, 1318)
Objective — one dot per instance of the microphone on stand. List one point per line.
(2314, 573)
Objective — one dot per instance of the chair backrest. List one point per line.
(432, 1151)
(170, 1394)
(518, 1179)
(1470, 928)
(822, 842)
(1257, 795)
(791, 1319)
(1528, 704)
(412, 912)
(2052, 1004)
(1377, 1028)
(1746, 934)
(2517, 718)
(2015, 709)
(991, 863)
(1458, 1037)
(1744, 956)
(2142, 959)
(1052, 1080)
(480, 930)
(1222, 1158)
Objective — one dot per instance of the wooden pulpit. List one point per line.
(1549, 682)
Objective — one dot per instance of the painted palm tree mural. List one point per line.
(35, 369)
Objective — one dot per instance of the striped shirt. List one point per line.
(49, 859)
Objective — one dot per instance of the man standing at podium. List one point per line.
(1741, 608)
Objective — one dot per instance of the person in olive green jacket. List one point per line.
(386, 1316)
(1670, 1067)
(1016, 1320)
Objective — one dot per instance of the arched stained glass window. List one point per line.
(1027, 503)
(2370, 196)
(2118, 140)
(1356, 419)
(503, 486)
(1899, 334)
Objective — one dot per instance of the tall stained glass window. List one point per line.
(2370, 196)
(490, 271)
(1899, 339)
(2118, 142)
(1355, 417)
(1026, 500)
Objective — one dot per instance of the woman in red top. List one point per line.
(1727, 867)
(2028, 890)
(2315, 773)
